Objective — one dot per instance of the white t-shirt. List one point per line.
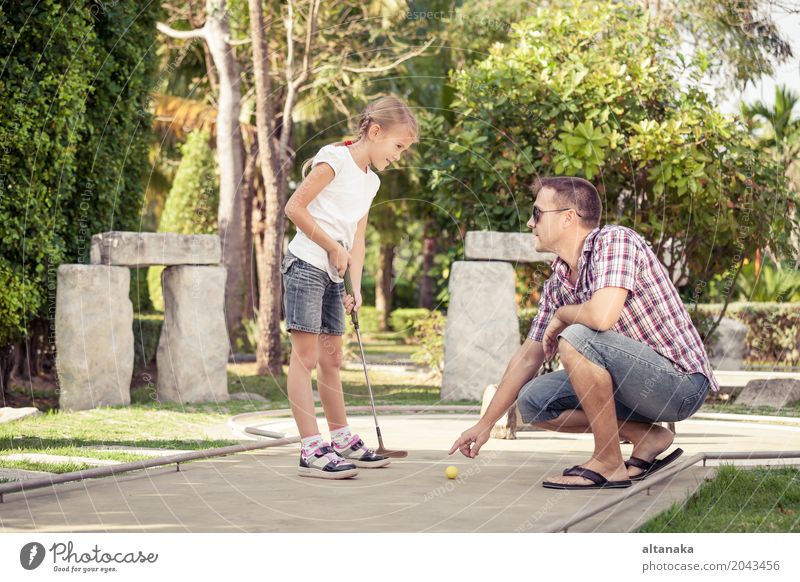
(338, 207)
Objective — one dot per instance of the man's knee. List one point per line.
(573, 336)
(571, 341)
(534, 402)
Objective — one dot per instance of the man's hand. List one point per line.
(471, 440)
(550, 339)
(352, 302)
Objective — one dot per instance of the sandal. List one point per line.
(650, 467)
(597, 480)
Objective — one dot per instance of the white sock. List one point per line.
(310, 444)
(341, 436)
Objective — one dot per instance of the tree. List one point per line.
(230, 147)
(73, 121)
(321, 60)
(739, 39)
(592, 90)
(778, 130)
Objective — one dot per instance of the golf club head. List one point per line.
(392, 454)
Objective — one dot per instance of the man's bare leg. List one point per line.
(649, 440)
(594, 388)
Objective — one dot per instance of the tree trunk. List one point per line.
(6, 364)
(249, 199)
(271, 230)
(230, 150)
(383, 285)
(426, 289)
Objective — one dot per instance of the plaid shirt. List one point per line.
(616, 256)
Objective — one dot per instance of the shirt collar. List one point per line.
(560, 267)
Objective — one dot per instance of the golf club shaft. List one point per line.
(348, 286)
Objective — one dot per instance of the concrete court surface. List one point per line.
(259, 491)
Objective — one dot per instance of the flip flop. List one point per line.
(597, 480)
(648, 468)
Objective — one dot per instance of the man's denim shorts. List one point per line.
(311, 301)
(647, 388)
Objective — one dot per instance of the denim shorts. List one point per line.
(311, 301)
(646, 385)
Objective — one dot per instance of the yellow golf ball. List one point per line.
(451, 472)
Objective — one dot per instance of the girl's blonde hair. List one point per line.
(387, 112)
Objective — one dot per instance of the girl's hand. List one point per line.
(352, 303)
(339, 258)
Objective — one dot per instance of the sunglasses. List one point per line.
(537, 214)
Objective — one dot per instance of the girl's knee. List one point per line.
(305, 357)
(332, 361)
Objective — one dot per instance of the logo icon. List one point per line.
(31, 555)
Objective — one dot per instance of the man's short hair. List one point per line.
(574, 192)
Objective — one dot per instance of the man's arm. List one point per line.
(601, 312)
(524, 365)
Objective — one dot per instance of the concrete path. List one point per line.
(259, 491)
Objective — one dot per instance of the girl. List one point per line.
(332, 204)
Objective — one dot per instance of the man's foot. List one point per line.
(360, 455)
(610, 473)
(324, 463)
(657, 440)
(648, 468)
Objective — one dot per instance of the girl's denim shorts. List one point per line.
(311, 301)
(646, 386)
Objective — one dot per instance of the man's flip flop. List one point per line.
(648, 468)
(597, 480)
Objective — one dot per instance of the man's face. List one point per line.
(547, 230)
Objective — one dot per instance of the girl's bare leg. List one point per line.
(303, 360)
(329, 382)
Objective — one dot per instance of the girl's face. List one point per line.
(386, 146)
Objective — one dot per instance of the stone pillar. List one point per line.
(728, 351)
(193, 349)
(94, 336)
(482, 331)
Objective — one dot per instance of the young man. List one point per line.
(631, 354)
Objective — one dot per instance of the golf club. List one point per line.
(382, 450)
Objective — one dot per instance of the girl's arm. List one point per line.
(296, 210)
(357, 254)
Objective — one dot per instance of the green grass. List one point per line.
(388, 387)
(57, 433)
(764, 499)
(733, 408)
(174, 426)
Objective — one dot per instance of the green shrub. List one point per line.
(773, 329)
(139, 293)
(403, 320)
(429, 335)
(191, 206)
(48, 58)
(75, 81)
(146, 333)
(526, 315)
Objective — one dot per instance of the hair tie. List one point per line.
(348, 142)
